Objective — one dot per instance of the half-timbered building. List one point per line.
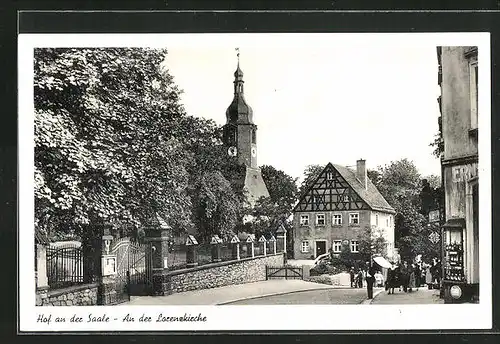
(336, 210)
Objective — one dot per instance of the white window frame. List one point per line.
(317, 220)
(376, 219)
(473, 93)
(305, 247)
(351, 217)
(337, 246)
(354, 245)
(302, 217)
(334, 220)
(329, 175)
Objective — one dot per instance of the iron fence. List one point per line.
(64, 266)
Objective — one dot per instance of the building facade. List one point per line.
(240, 138)
(458, 78)
(337, 210)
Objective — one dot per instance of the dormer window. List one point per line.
(329, 176)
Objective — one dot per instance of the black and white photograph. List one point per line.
(188, 176)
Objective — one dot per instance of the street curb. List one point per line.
(275, 294)
(369, 301)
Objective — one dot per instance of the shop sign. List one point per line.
(464, 173)
(434, 237)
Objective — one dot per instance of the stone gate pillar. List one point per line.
(108, 271)
(157, 240)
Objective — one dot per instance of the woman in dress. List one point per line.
(411, 279)
(392, 279)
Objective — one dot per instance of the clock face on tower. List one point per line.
(254, 152)
(232, 151)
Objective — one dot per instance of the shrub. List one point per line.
(323, 279)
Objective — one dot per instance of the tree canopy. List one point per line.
(114, 145)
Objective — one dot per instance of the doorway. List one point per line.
(320, 248)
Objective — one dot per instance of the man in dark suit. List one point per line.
(370, 278)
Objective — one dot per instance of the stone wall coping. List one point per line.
(217, 264)
(72, 289)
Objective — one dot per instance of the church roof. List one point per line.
(370, 195)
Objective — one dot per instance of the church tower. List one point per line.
(240, 138)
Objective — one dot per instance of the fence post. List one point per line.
(108, 272)
(215, 246)
(235, 249)
(263, 241)
(191, 251)
(272, 240)
(250, 246)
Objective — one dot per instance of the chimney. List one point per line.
(361, 172)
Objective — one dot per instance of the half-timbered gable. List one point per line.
(329, 192)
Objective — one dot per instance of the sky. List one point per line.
(316, 102)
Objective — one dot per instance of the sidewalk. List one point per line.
(422, 296)
(232, 293)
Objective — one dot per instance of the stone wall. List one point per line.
(214, 275)
(79, 295)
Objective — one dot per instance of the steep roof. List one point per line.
(370, 195)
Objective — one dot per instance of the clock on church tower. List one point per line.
(240, 138)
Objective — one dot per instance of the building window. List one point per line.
(305, 246)
(337, 219)
(254, 136)
(320, 219)
(473, 75)
(304, 220)
(329, 176)
(337, 246)
(354, 219)
(387, 222)
(376, 219)
(354, 246)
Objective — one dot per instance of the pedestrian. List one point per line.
(379, 279)
(360, 278)
(370, 279)
(405, 276)
(428, 276)
(411, 278)
(391, 282)
(352, 275)
(417, 275)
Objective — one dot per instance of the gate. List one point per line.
(133, 271)
(284, 272)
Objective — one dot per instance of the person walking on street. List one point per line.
(411, 278)
(391, 279)
(405, 276)
(351, 274)
(360, 278)
(370, 279)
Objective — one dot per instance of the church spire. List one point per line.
(238, 76)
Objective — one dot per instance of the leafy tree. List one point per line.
(311, 172)
(216, 206)
(270, 212)
(108, 140)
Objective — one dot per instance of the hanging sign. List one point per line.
(434, 237)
